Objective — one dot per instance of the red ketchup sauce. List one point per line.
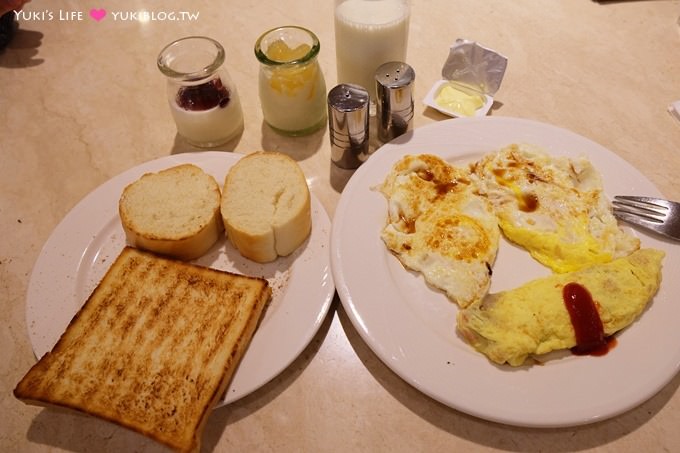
(590, 337)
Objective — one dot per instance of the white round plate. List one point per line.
(412, 327)
(85, 243)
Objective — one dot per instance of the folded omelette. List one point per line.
(510, 326)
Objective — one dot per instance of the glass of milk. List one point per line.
(202, 97)
(369, 33)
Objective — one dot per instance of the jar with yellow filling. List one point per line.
(459, 98)
(291, 85)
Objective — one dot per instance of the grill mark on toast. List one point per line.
(232, 311)
(128, 332)
(257, 303)
(218, 315)
(176, 299)
(145, 394)
(119, 320)
(134, 351)
(91, 315)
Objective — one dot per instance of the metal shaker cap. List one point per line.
(348, 125)
(394, 103)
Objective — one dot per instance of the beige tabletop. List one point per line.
(82, 101)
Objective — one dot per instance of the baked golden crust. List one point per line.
(153, 348)
(266, 206)
(175, 212)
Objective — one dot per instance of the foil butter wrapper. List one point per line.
(472, 74)
(674, 109)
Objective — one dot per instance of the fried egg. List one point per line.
(438, 225)
(552, 206)
(510, 326)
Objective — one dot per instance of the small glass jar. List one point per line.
(203, 99)
(291, 85)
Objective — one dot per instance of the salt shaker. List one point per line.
(348, 125)
(394, 104)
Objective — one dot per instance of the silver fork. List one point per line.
(656, 214)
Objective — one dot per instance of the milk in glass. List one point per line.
(369, 33)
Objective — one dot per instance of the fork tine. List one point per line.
(656, 214)
(646, 213)
(645, 203)
(652, 224)
(653, 209)
(648, 216)
(643, 212)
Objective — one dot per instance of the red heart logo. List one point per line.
(97, 14)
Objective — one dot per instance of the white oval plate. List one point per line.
(84, 244)
(412, 328)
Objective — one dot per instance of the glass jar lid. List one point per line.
(192, 58)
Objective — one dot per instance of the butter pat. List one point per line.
(459, 99)
(471, 75)
(453, 99)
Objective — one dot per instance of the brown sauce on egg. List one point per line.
(590, 337)
(533, 177)
(528, 202)
(445, 187)
(425, 175)
(441, 187)
(409, 224)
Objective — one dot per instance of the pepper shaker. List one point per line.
(348, 125)
(394, 103)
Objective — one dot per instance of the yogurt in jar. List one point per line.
(208, 114)
(292, 89)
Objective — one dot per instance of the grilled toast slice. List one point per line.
(153, 348)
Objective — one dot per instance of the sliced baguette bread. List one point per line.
(266, 206)
(174, 212)
(153, 348)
